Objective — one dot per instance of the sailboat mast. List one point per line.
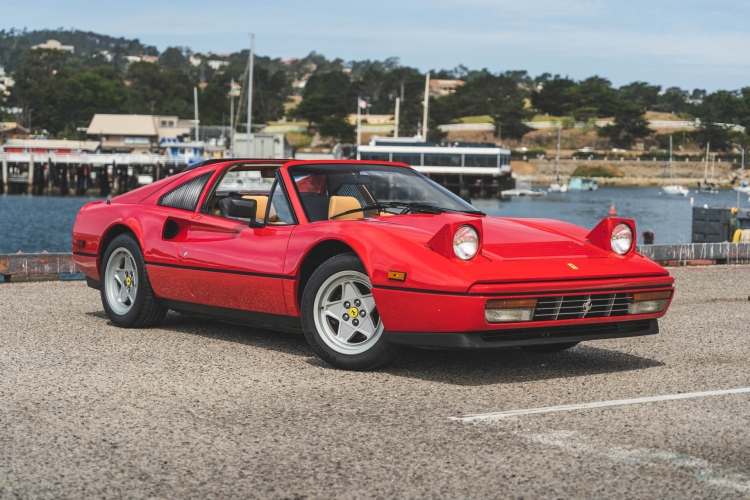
(557, 156)
(705, 174)
(671, 163)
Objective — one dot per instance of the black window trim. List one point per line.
(161, 198)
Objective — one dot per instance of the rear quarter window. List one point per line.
(185, 196)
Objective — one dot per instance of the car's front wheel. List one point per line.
(340, 319)
(126, 291)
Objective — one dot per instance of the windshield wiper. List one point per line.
(425, 206)
(374, 206)
(408, 207)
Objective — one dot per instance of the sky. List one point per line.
(684, 43)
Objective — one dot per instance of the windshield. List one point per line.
(330, 190)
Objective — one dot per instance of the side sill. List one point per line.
(237, 316)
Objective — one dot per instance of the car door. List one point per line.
(227, 264)
(162, 229)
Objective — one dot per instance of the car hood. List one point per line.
(515, 250)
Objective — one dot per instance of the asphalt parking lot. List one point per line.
(197, 409)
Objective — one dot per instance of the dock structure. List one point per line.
(84, 174)
(53, 266)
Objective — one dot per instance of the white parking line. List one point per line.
(601, 404)
(695, 467)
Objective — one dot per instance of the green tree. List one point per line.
(630, 124)
(674, 100)
(174, 58)
(162, 92)
(325, 95)
(556, 96)
(337, 127)
(641, 94)
(61, 97)
(597, 92)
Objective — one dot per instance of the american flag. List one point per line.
(361, 102)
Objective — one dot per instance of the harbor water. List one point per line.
(38, 223)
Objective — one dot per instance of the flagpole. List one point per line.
(398, 106)
(359, 122)
(426, 106)
(250, 94)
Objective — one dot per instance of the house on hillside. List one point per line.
(12, 130)
(136, 133)
(439, 88)
(54, 45)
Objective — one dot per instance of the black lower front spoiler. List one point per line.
(527, 336)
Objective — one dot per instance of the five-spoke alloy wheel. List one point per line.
(126, 291)
(121, 282)
(340, 318)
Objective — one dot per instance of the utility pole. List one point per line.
(426, 106)
(359, 121)
(398, 106)
(250, 94)
(195, 105)
(557, 155)
(231, 116)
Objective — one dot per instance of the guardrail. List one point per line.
(724, 253)
(38, 267)
(657, 124)
(60, 266)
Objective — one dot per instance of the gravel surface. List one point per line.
(198, 409)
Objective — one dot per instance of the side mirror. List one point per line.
(244, 209)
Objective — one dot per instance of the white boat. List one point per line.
(557, 187)
(523, 188)
(742, 189)
(581, 184)
(522, 192)
(673, 189)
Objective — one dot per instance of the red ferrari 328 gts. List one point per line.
(362, 257)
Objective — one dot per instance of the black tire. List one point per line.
(547, 348)
(377, 355)
(146, 310)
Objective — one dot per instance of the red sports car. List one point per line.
(362, 257)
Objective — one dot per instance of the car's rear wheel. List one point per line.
(542, 348)
(340, 319)
(126, 292)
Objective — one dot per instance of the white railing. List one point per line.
(466, 127)
(282, 129)
(98, 159)
(377, 128)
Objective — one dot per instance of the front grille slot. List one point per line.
(581, 306)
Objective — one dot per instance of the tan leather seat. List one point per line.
(339, 204)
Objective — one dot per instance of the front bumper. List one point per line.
(422, 311)
(527, 336)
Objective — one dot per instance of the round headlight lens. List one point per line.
(622, 239)
(465, 242)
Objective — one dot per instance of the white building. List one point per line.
(54, 45)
